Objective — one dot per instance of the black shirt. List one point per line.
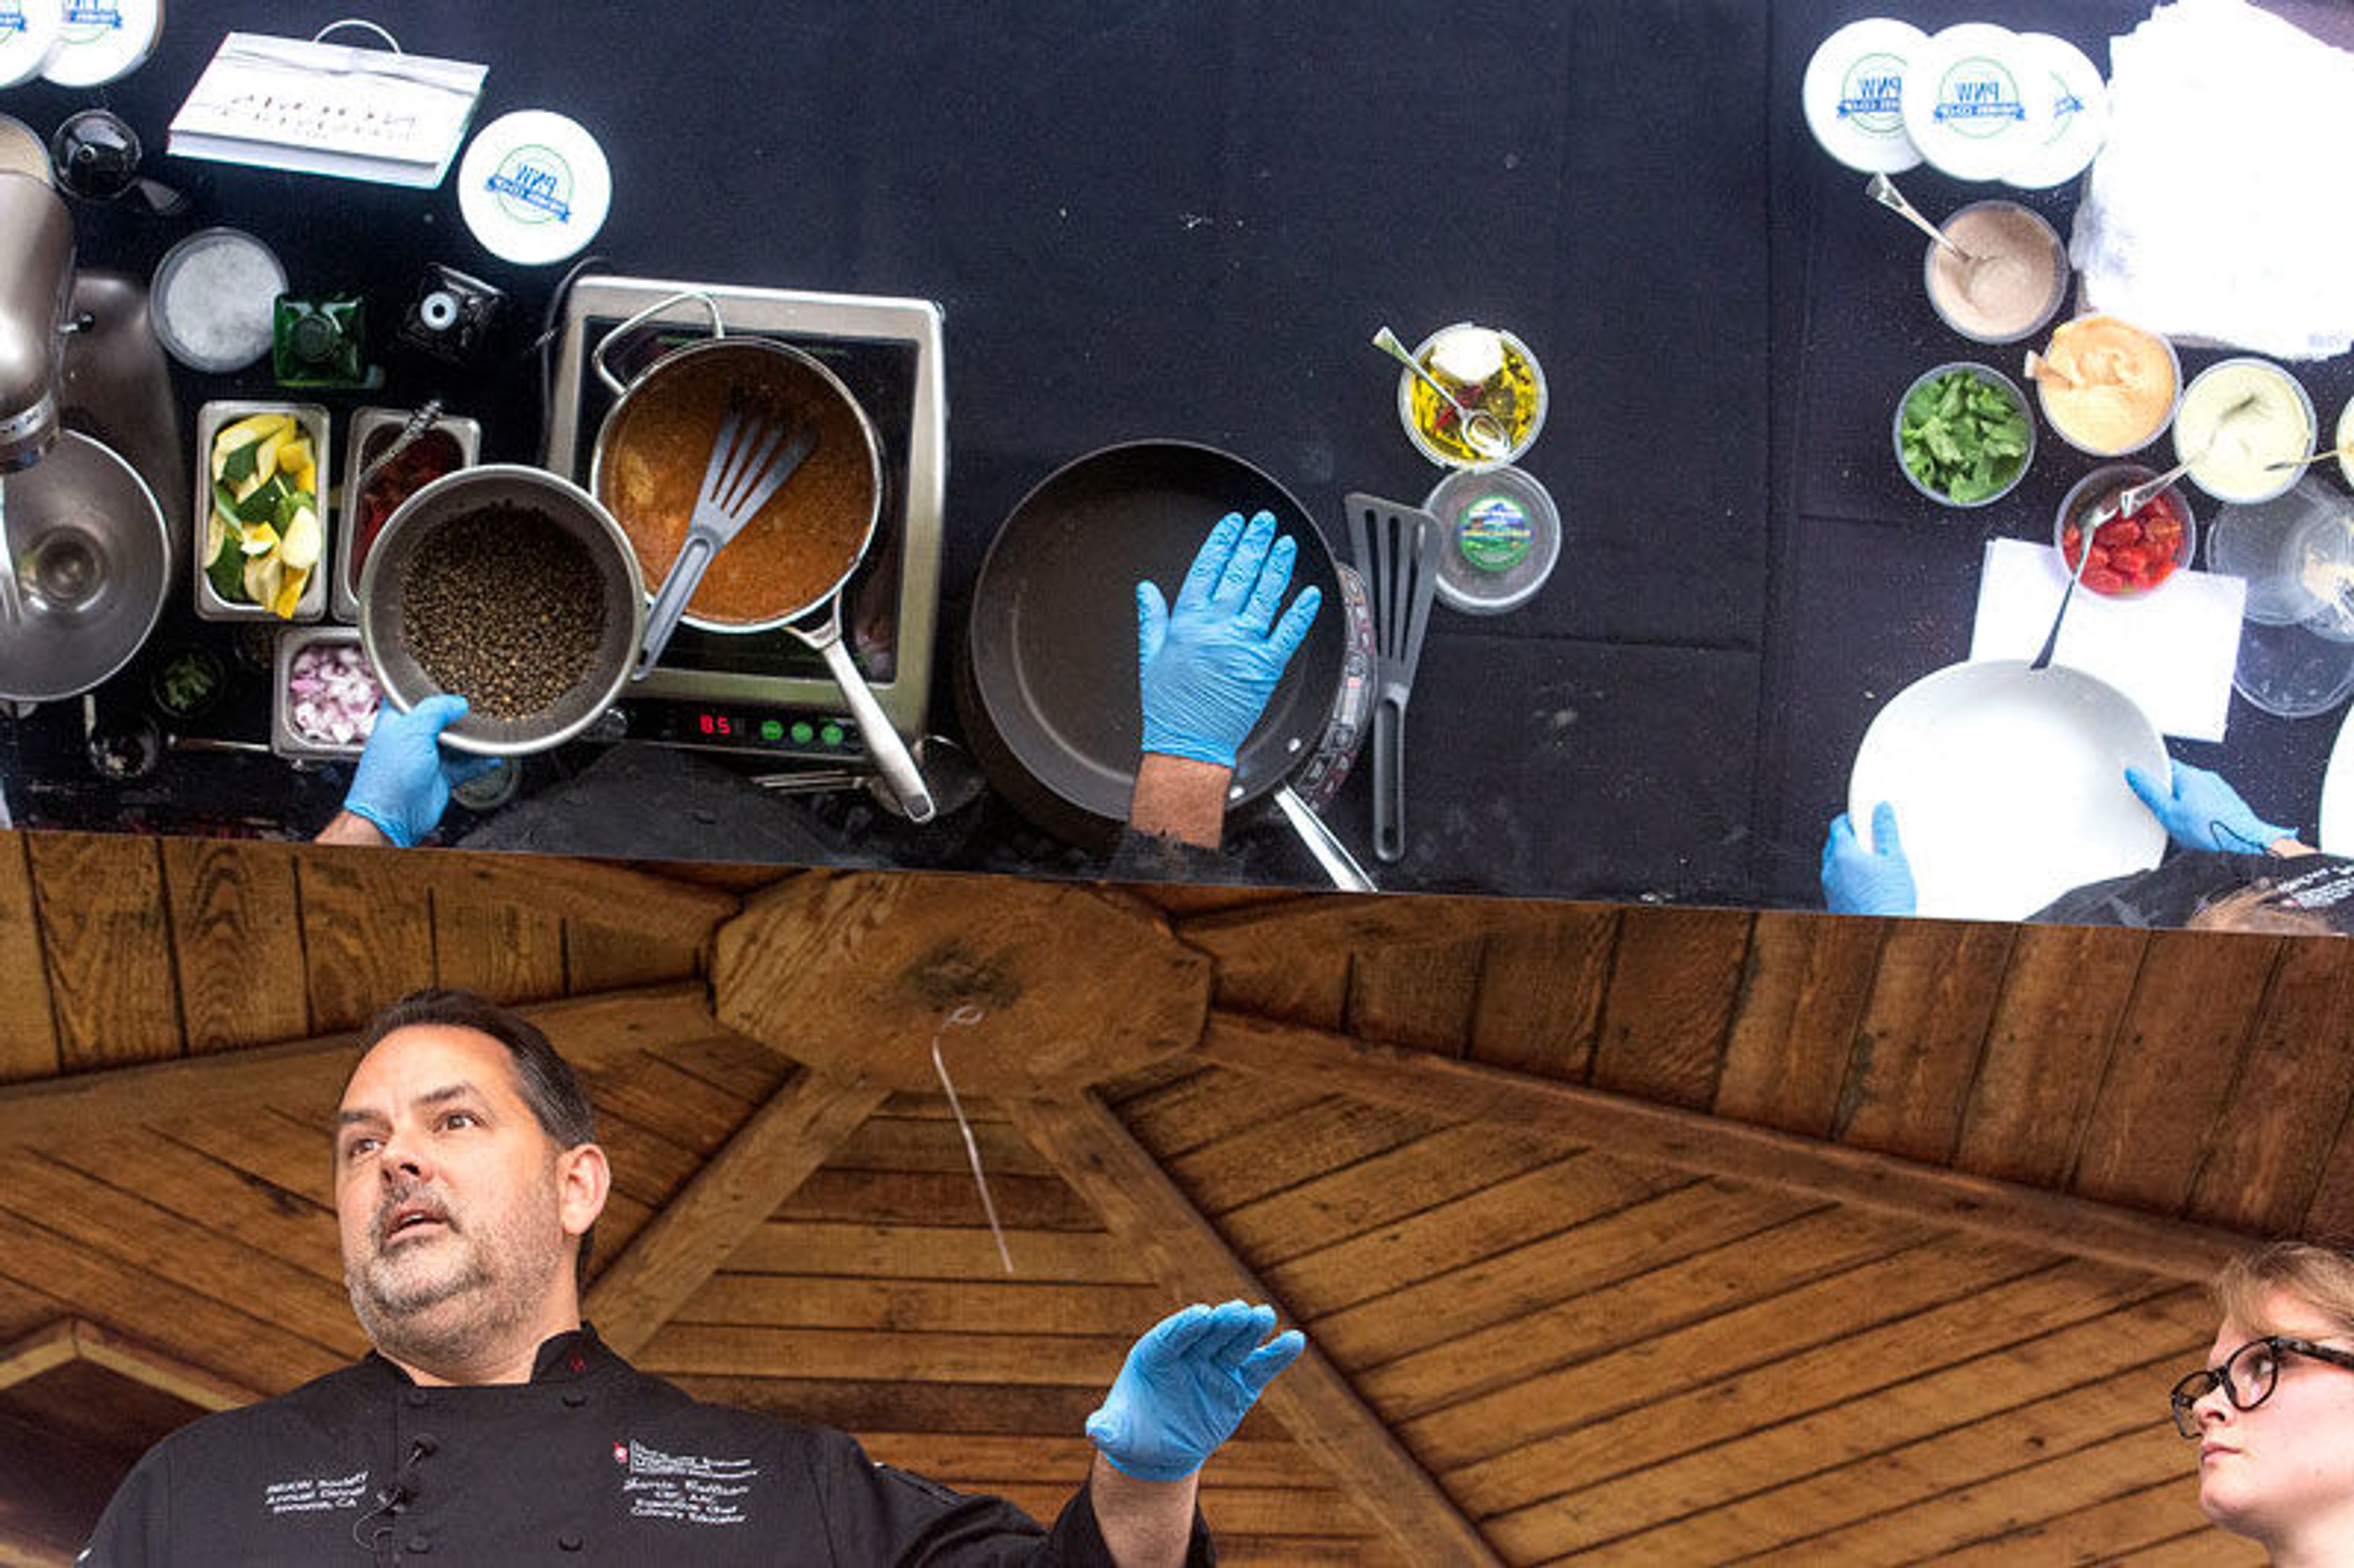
(591, 1461)
(2191, 882)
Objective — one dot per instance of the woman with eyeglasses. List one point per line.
(2273, 1410)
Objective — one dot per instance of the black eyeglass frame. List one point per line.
(2195, 1386)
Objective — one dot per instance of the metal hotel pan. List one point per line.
(1052, 639)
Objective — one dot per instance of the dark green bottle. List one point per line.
(319, 341)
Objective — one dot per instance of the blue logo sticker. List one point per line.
(534, 184)
(1872, 96)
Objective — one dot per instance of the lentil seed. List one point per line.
(507, 608)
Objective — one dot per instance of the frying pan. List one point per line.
(1052, 639)
(787, 569)
(2008, 785)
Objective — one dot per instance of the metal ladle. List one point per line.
(1482, 432)
(1883, 189)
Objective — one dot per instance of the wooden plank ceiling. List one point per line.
(1648, 1235)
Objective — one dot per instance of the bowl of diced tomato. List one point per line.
(2132, 554)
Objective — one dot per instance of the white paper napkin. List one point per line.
(2214, 211)
(2172, 652)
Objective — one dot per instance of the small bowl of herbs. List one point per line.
(1963, 434)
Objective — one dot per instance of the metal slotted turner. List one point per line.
(1396, 548)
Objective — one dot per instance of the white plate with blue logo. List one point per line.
(534, 187)
(1853, 94)
(1970, 103)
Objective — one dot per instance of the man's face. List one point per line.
(453, 1214)
(2265, 1472)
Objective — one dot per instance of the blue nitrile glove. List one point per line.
(1875, 880)
(1208, 667)
(1186, 1386)
(404, 779)
(2201, 811)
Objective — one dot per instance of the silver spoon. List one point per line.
(1482, 432)
(2133, 498)
(2345, 451)
(1883, 189)
(2051, 638)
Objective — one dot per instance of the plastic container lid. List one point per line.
(212, 300)
(534, 187)
(29, 37)
(2292, 672)
(1966, 105)
(103, 40)
(2076, 106)
(2321, 555)
(1853, 94)
(2254, 542)
(1501, 535)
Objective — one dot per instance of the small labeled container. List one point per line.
(2066, 86)
(29, 32)
(1853, 94)
(320, 681)
(211, 420)
(98, 44)
(452, 443)
(1966, 102)
(1499, 537)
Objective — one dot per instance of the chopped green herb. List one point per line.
(1963, 437)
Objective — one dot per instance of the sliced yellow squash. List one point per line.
(290, 594)
(300, 548)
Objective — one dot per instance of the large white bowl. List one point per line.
(2008, 785)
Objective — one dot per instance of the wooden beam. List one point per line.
(658, 908)
(1146, 1209)
(730, 1198)
(1710, 1146)
(1344, 921)
(79, 1339)
(593, 1032)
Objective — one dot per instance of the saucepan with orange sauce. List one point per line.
(788, 566)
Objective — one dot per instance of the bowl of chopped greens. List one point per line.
(1963, 434)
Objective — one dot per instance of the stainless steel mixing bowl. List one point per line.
(461, 500)
(91, 559)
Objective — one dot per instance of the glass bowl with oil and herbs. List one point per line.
(1485, 370)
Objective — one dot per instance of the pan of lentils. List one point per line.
(512, 587)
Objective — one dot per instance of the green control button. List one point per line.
(802, 732)
(830, 735)
(772, 730)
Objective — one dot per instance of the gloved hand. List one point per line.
(1875, 880)
(404, 779)
(2201, 811)
(1208, 667)
(1185, 1387)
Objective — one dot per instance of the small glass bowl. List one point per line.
(2287, 476)
(1991, 377)
(2173, 360)
(2098, 486)
(2059, 275)
(1524, 431)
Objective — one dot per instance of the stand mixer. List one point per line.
(86, 552)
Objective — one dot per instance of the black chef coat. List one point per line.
(591, 1461)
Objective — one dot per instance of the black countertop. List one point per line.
(1184, 222)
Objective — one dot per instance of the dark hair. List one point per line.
(548, 1083)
